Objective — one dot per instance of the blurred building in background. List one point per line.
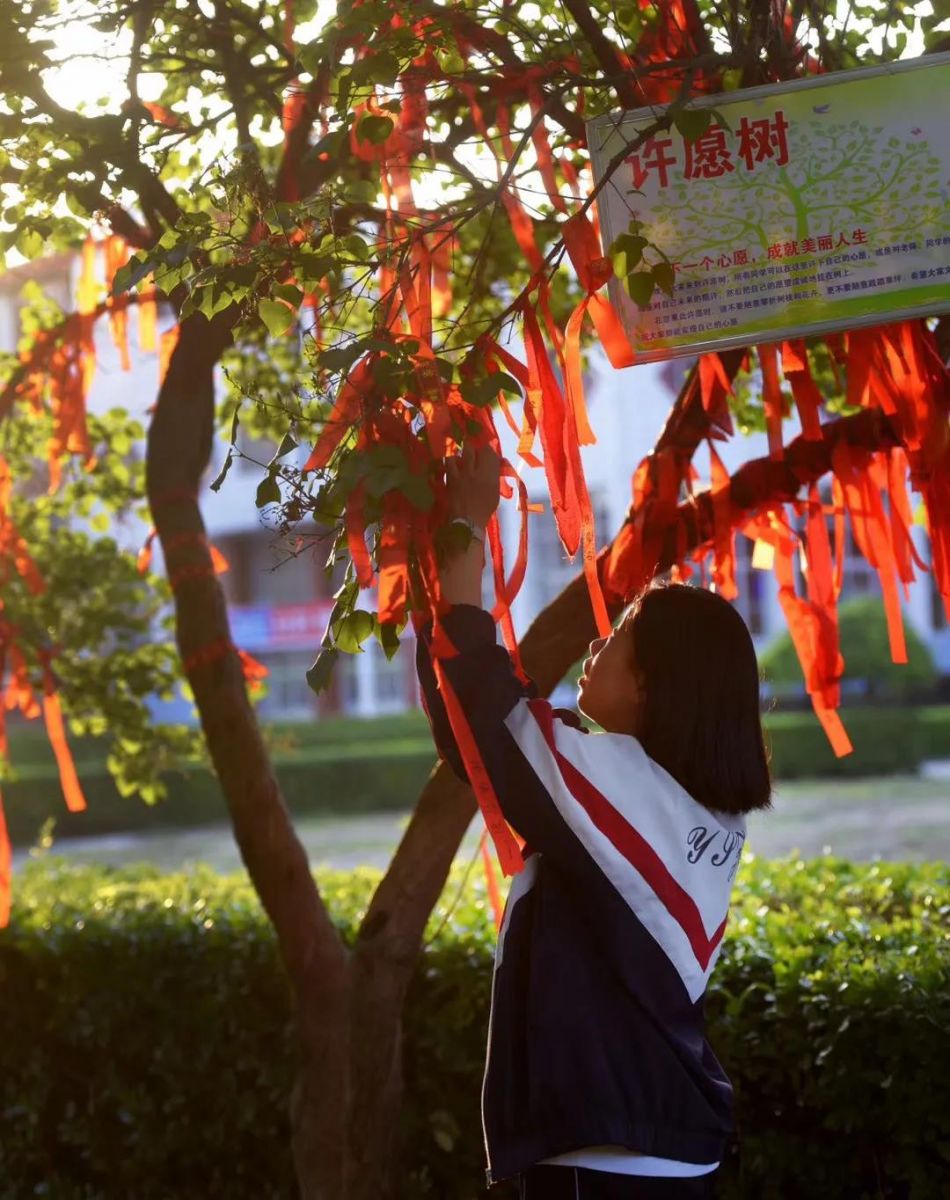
(279, 600)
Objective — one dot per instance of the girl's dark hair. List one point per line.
(700, 719)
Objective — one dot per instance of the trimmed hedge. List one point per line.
(887, 741)
(865, 648)
(377, 774)
(345, 766)
(145, 1050)
(334, 766)
(935, 731)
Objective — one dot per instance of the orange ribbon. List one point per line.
(772, 397)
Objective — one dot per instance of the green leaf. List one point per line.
(223, 473)
(268, 491)
(287, 291)
(287, 443)
(235, 421)
(124, 277)
(664, 275)
(280, 218)
(311, 268)
(446, 369)
(640, 286)
(418, 492)
(720, 118)
(340, 358)
(481, 392)
(276, 316)
(351, 632)
(355, 245)
(383, 480)
(29, 243)
(388, 637)
(626, 252)
(321, 673)
(390, 374)
(344, 83)
(692, 122)
(380, 68)
(374, 129)
(505, 383)
(386, 455)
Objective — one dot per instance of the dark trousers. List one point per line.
(580, 1183)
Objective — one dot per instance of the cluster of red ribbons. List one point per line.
(58, 370)
(893, 368)
(18, 692)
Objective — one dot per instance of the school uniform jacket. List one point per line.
(610, 931)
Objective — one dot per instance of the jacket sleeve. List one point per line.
(498, 706)
(625, 835)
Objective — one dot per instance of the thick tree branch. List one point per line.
(179, 442)
(418, 870)
(559, 636)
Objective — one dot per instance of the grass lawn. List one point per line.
(897, 817)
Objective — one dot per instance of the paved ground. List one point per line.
(895, 818)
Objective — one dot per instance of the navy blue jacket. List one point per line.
(610, 931)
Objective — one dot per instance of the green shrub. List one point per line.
(145, 1049)
(344, 766)
(868, 666)
(935, 731)
(352, 767)
(886, 741)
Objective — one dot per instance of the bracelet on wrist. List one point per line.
(477, 531)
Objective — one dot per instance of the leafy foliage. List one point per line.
(111, 644)
(869, 667)
(827, 1009)
(235, 208)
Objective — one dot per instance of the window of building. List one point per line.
(371, 685)
(262, 570)
(389, 679)
(289, 696)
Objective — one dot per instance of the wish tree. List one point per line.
(381, 220)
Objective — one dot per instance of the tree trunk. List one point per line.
(348, 1003)
(179, 444)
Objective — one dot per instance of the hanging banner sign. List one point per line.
(803, 208)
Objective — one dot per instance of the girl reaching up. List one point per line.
(599, 1083)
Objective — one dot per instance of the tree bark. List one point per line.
(316, 961)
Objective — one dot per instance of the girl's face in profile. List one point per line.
(610, 690)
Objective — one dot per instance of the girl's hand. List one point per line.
(472, 481)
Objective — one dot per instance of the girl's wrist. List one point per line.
(475, 528)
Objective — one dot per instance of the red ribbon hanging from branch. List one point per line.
(772, 398)
(853, 468)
